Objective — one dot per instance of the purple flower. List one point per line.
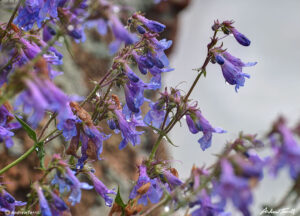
(43, 95)
(252, 167)
(29, 14)
(91, 140)
(130, 74)
(156, 115)
(232, 69)
(48, 33)
(152, 190)
(171, 179)
(207, 207)
(242, 39)
(141, 29)
(44, 206)
(68, 181)
(100, 24)
(6, 126)
(143, 62)
(57, 204)
(235, 188)
(134, 95)
(128, 129)
(8, 202)
(286, 151)
(196, 122)
(67, 123)
(36, 11)
(151, 25)
(30, 50)
(5, 135)
(102, 189)
(121, 34)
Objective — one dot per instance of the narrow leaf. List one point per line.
(119, 200)
(31, 133)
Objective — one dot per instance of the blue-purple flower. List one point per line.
(8, 203)
(128, 129)
(36, 11)
(242, 39)
(146, 188)
(286, 151)
(171, 179)
(91, 143)
(234, 187)
(6, 126)
(196, 123)
(102, 190)
(57, 205)
(122, 35)
(207, 206)
(69, 182)
(232, 69)
(41, 96)
(44, 205)
(151, 24)
(156, 115)
(134, 95)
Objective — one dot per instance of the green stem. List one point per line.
(50, 134)
(22, 157)
(155, 147)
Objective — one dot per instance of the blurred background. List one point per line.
(272, 90)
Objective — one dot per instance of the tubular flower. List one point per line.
(102, 190)
(8, 203)
(207, 207)
(134, 95)
(44, 206)
(36, 11)
(156, 115)
(151, 24)
(6, 126)
(171, 179)
(196, 122)
(57, 205)
(69, 182)
(48, 96)
(146, 188)
(242, 39)
(121, 34)
(234, 187)
(128, 129)
(232, 69)
(286, 151)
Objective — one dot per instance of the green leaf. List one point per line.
(31, 133)
(119, 200)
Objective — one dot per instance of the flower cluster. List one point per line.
(232, 67)
(29, 64)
